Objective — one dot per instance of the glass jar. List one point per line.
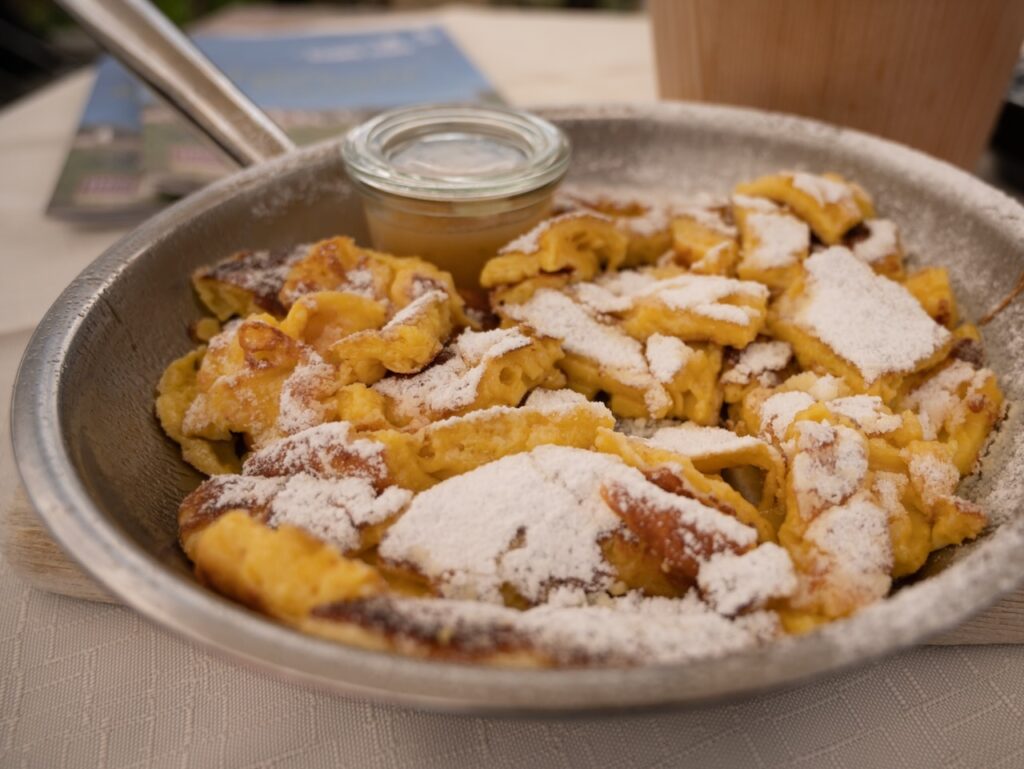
(453, 184)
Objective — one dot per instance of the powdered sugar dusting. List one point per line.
(709, 261)
(330, 450)
(963, 242)
(824, 191)
(611, 293)
(709, 218)
(302, 401)
(936, 478)
(704, 295)
(854, 538)
(536, 521)
(693, 440)
(666, 356)
(937, 237)
(334, 509)
(758, 361)
(225, 492)
(695, 519)
(781, 240)
(826, 387)
(359, 280)
(642, 629)
(529, 242)
(828, 465)
(882, 241)
(553, 314)
(453, 383)
(867, 319)
(751, 203)
(551, 403)
(475, 346)
(732, 582)
(628, 630)
(415, 308)
(942, 400)
(614, 292)
(262, 273)
(643, 213)
(529, 520)
(779, 410)
(868, 412)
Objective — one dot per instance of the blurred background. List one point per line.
(38, 41)
(878, 65)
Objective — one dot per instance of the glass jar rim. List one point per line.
(537, 152)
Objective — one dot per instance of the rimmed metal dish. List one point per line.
(107, 482)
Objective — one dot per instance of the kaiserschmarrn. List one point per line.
(681, 429)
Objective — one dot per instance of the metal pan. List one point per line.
(107, 482)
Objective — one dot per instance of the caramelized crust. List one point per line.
(257, 381)
(681, 546)
(327, 451)
(247, 282)
(336, 264)
(375, 623)
(676, 474)
(209, 502)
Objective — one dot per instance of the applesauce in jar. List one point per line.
(454, 184)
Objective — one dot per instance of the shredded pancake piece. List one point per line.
(866, 320)
(394, 472)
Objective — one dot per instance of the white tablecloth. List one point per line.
(89, 685)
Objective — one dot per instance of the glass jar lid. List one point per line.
(456, 153)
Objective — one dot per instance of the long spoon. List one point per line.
(147, 43)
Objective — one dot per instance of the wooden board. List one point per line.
(39, 560)
(881, 67)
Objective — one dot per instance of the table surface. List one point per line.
(91, 685)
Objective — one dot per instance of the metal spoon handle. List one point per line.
(145, 42)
